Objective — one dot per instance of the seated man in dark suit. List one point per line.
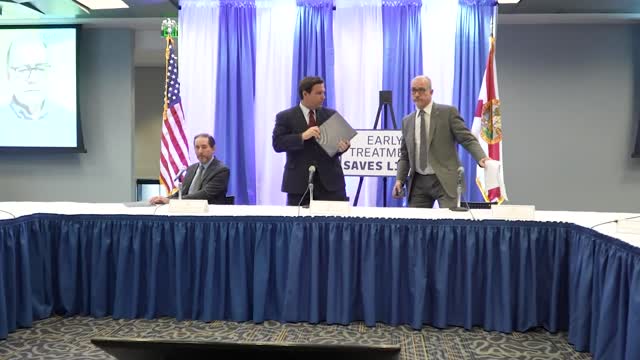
(208, 179)
(295, 132)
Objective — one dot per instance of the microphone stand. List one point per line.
(312, 170)
(458, 207)
(302, 199)
(180, 182)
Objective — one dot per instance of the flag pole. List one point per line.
(494, 21)
(173, 143)
(493, 16)
(166, 64)
(168, 29)
(165, 107)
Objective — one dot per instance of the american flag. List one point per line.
(174, 148)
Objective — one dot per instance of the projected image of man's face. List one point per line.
(28, 69)
(38, 87)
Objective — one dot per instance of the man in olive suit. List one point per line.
(428, 151)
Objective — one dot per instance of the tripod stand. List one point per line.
(385, 104)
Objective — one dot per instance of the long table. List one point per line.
(255, 263)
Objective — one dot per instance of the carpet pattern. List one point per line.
(70, 338)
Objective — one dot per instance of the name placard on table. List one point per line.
(322, 207)
(188, 206)
(514, 212)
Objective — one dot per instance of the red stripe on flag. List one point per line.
(177, 142)
(179, 123)
(172, 162)
(494, 194)
(168, 184)
(174, 142)
(490, 80)
(478, 113)
(494, 151)
(165, 165)
(173, 138)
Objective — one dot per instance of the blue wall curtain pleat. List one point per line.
(472, 50)
(313, 53)
(402, 61)
(234, 129)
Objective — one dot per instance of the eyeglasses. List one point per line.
(419, 90)
(25, 71)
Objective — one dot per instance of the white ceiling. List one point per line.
(143, 14)
(145, 17)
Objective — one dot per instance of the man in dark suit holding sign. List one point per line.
(296, 132)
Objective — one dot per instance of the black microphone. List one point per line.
(179, 174)
(312, 170)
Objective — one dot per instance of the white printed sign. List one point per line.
(373, 153)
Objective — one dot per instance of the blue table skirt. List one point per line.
(504, 276)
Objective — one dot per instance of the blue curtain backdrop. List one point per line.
(472, 50)
(313, 47)
(234, 126)
(402, 61)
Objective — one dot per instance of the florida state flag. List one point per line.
(487, 127)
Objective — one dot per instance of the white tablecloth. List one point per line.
(9, 210)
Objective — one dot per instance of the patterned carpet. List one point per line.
(69, 338)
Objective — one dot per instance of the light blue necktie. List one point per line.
(197, 180)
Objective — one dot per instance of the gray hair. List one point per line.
(422, 77)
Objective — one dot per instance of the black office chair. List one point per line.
(229, 200)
